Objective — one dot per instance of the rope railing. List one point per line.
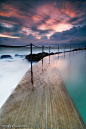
(36, 46)
(27, 45)
(58, 48)
(49, 48)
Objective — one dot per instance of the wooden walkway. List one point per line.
(40, 101)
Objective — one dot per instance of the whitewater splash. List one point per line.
(13, 69)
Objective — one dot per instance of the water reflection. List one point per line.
(32, 81)
(76, 52)
(58, 56)
(73, 71)
(85, 54)
(73, 53)
(32, 78)
(42, 65)
(69, 54)
(49, 59)
(64, 55)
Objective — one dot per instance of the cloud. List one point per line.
(35, 19)
(74, 35)
(8, 28)
(44, 37)
(30, 36)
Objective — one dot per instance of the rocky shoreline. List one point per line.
(6, 56)
(39, 56)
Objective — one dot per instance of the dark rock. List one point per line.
(36, 57)
(77, 49)
(6, 56)
(67, 51)
(16, 55)
(39, 56)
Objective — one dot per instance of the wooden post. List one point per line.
(31, 55)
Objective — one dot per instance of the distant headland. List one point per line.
(10, 46)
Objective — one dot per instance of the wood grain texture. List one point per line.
(40, 101)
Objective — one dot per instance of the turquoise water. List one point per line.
(72, 67)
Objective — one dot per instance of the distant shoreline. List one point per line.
(11, 46)
(41, 46)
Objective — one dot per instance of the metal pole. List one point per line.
(49, 50)
(74, 47)
(42, 57)
(58, 51)
(49, 54)
(65, 48)
(31, 55)
(42, 50)
(70, 48)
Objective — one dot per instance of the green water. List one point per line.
(72, 67)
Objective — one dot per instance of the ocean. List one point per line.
(72, 67)
(13, 69)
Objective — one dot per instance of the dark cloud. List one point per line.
(81, 31)
(8, 41)
(34, 28)
(79, 20)
(74, 35)
(30, 36)
(72, 20)
(70, 32)
(44, 37)
(42, 18)
(11, 20)
(17, 35)
(46, 17)
(77, 41)
(13, 31)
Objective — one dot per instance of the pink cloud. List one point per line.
(40, 20)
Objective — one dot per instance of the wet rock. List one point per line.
(77, 49)
(39, 56)
(6, 56)
(36, 57)
(16, 55)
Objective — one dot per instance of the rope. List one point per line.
(27, 45)
(56, 47)
(36, 46)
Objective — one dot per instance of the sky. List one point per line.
(42, 22)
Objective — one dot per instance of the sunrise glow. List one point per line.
(2, 35)
(51, 22)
